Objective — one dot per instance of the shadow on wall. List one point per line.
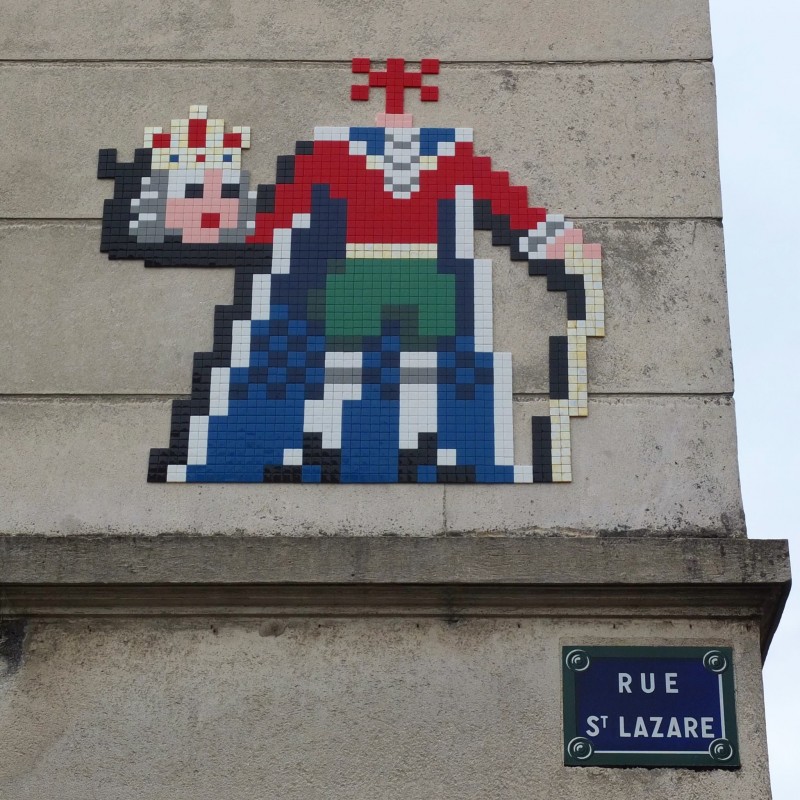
(12, 640)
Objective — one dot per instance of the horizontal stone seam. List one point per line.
(767, 588)
(707, 583)
(693, 559)
(662, 599)
(336, 62)
(154, 396)
(39, 600)
(9, 220)
(763, 602)
(623, 395)
(135, 608)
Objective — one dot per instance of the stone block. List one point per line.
(655, 465)
(588, 139)
(71, 321)
(547, 30)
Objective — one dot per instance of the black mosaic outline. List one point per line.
(251, 259)
(558, 280)
(119, 244)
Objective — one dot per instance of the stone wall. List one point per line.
(375, 641)
(604, 110)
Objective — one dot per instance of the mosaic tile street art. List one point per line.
(358, 348)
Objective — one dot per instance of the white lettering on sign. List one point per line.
(592, 729)
(670, 679)
(651, 727)
(647, 681)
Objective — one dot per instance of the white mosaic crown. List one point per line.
(197, 143)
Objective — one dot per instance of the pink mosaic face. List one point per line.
(200, 219)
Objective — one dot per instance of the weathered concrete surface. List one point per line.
(506, 30)
(361, 688)
(205, 708)
(639, 464)
(666, 310)
(630, 140)
(661, 465)
(183, 559)
(71, 321)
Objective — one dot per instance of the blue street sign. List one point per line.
(649, 706)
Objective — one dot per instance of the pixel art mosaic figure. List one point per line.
(358, 347)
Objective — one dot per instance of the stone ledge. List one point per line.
(452, 577)
(187, 559)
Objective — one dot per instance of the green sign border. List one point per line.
(728, 749)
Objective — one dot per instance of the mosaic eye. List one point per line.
(193, 190)
(230, 190)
